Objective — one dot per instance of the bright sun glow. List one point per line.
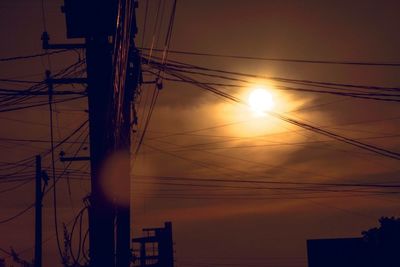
(260, 100)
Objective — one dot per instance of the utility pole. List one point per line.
(101, 228)
(38, 213)
(113, 73)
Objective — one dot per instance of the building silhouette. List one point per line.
(378, 247)
(343, 252)
(156, 249)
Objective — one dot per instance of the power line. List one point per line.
(17, 214)
(189, 68)
(28, 162)
(19, 99)
(283, 190)
(33, 140)
(391, 94)
(18, 81)
(169, 180)
(274, 143)
(50, 103)
(371, 148)
(256, 182)
(15, 92)
(33, 56)
(41, 104)
(158, 85)
(332, 62)
(371, 96)
(48, 190)
(15, 186)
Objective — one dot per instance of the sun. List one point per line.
(260, 101)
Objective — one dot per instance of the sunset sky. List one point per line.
(195, 134)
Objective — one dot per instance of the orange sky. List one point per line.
(196, 134)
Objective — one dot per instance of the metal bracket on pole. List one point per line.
(68, 81)
(63, 159)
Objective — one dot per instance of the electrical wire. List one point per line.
(392, 94)
(33, 56)
(158, 85)
(332, 62)
(50, 103)
(350, 141)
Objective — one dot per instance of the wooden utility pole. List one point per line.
(101, 228)
(113, 71)
(38, 212)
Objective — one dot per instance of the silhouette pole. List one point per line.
(113, 69)
(38, 212)
(101, 227)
